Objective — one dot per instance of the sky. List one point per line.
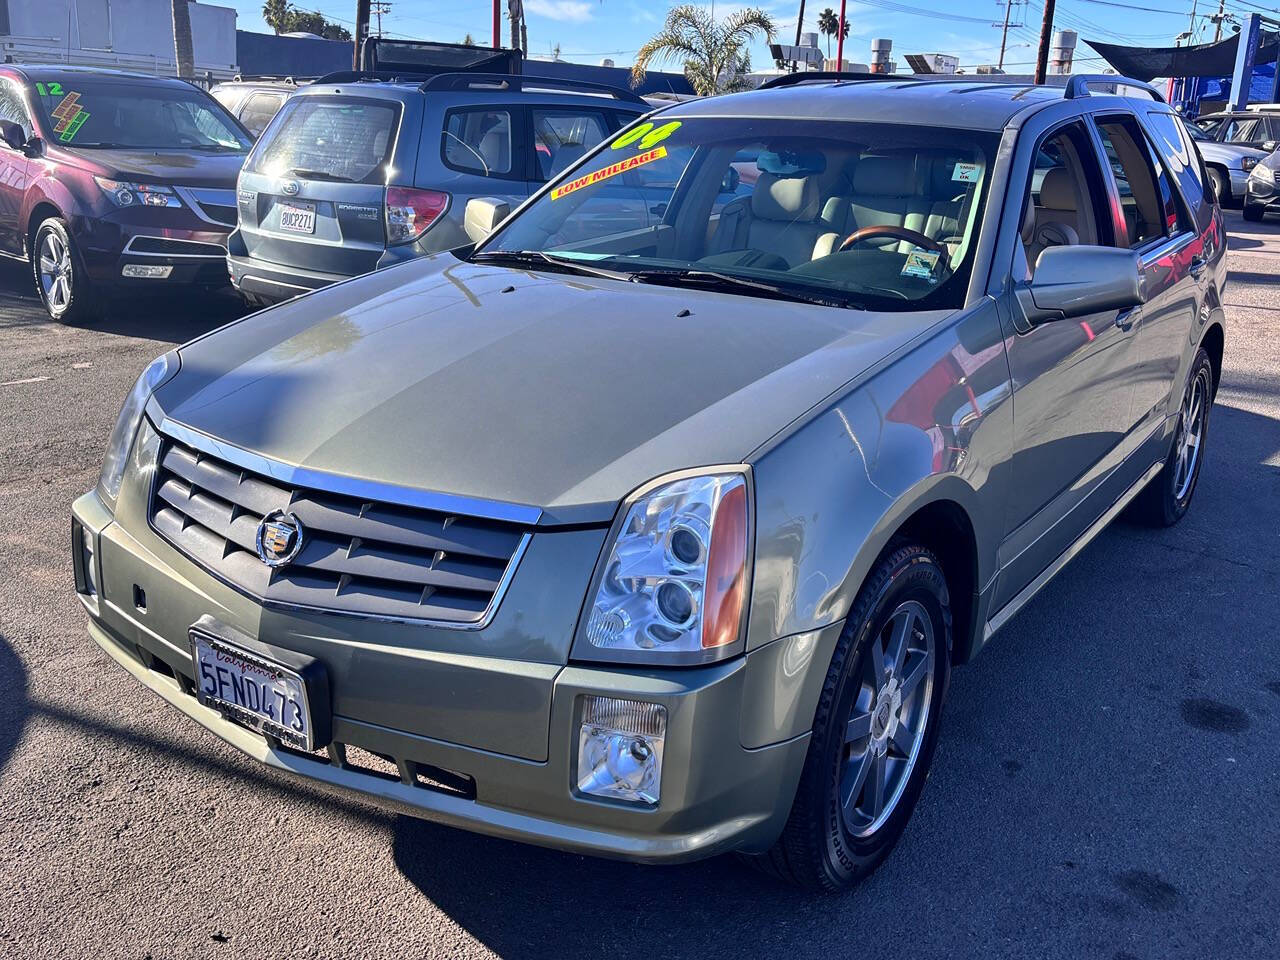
(590, 30)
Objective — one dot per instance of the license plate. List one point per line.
(252, 690)
(298, 218)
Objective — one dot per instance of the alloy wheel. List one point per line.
(55, 271)
(889, 719)
(1191, 422)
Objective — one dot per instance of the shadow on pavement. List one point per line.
(14, 707)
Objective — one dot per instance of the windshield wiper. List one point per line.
(539, 258)
(710, 279)
(306, 174)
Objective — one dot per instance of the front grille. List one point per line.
(358, 556)
(168, 247)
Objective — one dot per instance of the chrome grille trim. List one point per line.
(211, 204)
(362, 557)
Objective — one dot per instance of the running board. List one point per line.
(1007, 612)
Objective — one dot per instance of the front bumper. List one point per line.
(193, 248)
(717, 794)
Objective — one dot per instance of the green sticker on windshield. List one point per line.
(70, 117)
(645, 136)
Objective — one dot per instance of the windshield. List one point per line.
(329, 138)
(850, 214)
(86, 111)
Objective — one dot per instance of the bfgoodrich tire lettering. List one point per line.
(897, 638)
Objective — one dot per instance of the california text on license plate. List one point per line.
(298, 218)
(252, 690)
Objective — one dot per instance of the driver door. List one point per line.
(1072, 378)
(14, 170)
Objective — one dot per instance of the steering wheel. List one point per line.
(877, 231)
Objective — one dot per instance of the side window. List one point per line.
(1238, 129)
(1174, 145)
(1063, 201)
(479, 141)
(258, 111)
(1270, 128)
(12, 105)
(1149, 209)
(562, 137)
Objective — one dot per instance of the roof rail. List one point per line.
(269, 77)
(818, 76)
(354, 76)
(504, 81)
(1078, 85)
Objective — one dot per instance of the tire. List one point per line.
(1253, 212)
(60, 277)
(1166, 498)
(830, 845)
(1221, 186)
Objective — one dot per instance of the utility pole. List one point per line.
(1217, 20)
(379, 8)
(362, 29)
(1046, 31)
(840, 38)
(1191, 27)
(1004, 32)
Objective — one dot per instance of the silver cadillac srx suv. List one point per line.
(657, 535)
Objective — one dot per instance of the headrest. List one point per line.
(1058, 190)
(785, 198)
(883, 176)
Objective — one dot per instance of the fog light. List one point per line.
(86, 563)
(620, 749)
(146, 271)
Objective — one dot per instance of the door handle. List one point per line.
(1197, 265)
(1125, 319)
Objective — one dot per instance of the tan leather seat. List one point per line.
(1055, 220)
(779, 220)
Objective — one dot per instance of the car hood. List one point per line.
(1229, 153)
(164, 166)
(554, 391)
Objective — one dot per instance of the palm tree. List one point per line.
(715, 55)
(829, 26)
(182, 39)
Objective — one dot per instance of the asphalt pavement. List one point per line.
(1107, 783)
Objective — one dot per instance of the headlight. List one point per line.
(1264, 173)
(124, 194)
(1248, 163)
(672, 587)
(113, 464)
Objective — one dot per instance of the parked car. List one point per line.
(112, 180)
(359, 171)
(657, 539)
(1262, 194)
(1228, 164)
(1250, 128)
(255, 100)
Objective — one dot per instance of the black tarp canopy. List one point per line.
(1199, 60)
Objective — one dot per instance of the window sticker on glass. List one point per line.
(921, 263)
(70, 116)
(966, 172)
(622, 166)
(645, 136)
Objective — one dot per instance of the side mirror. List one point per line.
(1269, 145)
(1075, 281)
(482, 215)
(13, 135)
(731, 181)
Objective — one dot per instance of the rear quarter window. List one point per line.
(330, 138)
(1179, 152)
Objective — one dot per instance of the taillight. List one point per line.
(410, 212)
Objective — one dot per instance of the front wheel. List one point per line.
(1221, 186)
(59, 273)
(1166, 499)
(876, 727)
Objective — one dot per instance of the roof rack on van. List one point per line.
(503, 81)
(1078, 85)
(819, 76)
(268, 77)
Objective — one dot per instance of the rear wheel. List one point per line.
(59, 273)
(875, 730)
(1166, 499)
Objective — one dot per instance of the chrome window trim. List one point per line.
(193, 197)
(168, 429)
(128, 248)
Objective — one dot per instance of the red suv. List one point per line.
(111, 180)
